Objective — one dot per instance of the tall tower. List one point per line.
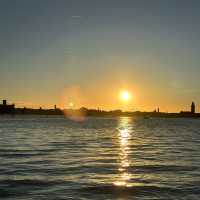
(4, 102)
(193, 108)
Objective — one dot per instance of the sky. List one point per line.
(86, 51)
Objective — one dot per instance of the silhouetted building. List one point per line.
(190, 113)
(4, 102)
(7, 109)
(193, 108)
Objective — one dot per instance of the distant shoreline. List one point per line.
(83, 112)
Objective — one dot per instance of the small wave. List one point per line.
(5, 193)
(122, 190)
(14, 188)
(163, 168)
(27, 182)
(20, 155)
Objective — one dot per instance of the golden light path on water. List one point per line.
(124, 136)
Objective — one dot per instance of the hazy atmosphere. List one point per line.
(99, 99)
(86, 52)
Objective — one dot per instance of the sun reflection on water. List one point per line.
(124, 137)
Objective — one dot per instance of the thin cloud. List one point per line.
(76, 16)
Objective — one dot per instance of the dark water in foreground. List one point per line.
(99, 158)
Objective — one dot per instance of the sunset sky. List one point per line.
(86, 52)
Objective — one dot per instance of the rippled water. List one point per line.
(99, 158)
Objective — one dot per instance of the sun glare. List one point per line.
(125, 95)
(71, 104)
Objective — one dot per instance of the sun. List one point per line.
(125, 95)
(71, 104)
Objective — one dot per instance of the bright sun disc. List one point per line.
(125, 95)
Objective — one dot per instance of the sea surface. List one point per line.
(47, 158)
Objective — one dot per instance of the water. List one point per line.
(99, 158)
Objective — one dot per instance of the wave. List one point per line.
(15, 188)
(145, 190)
(136, 190)
(25, 153)
(162, 168)
(28, 182)
(22, 187)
